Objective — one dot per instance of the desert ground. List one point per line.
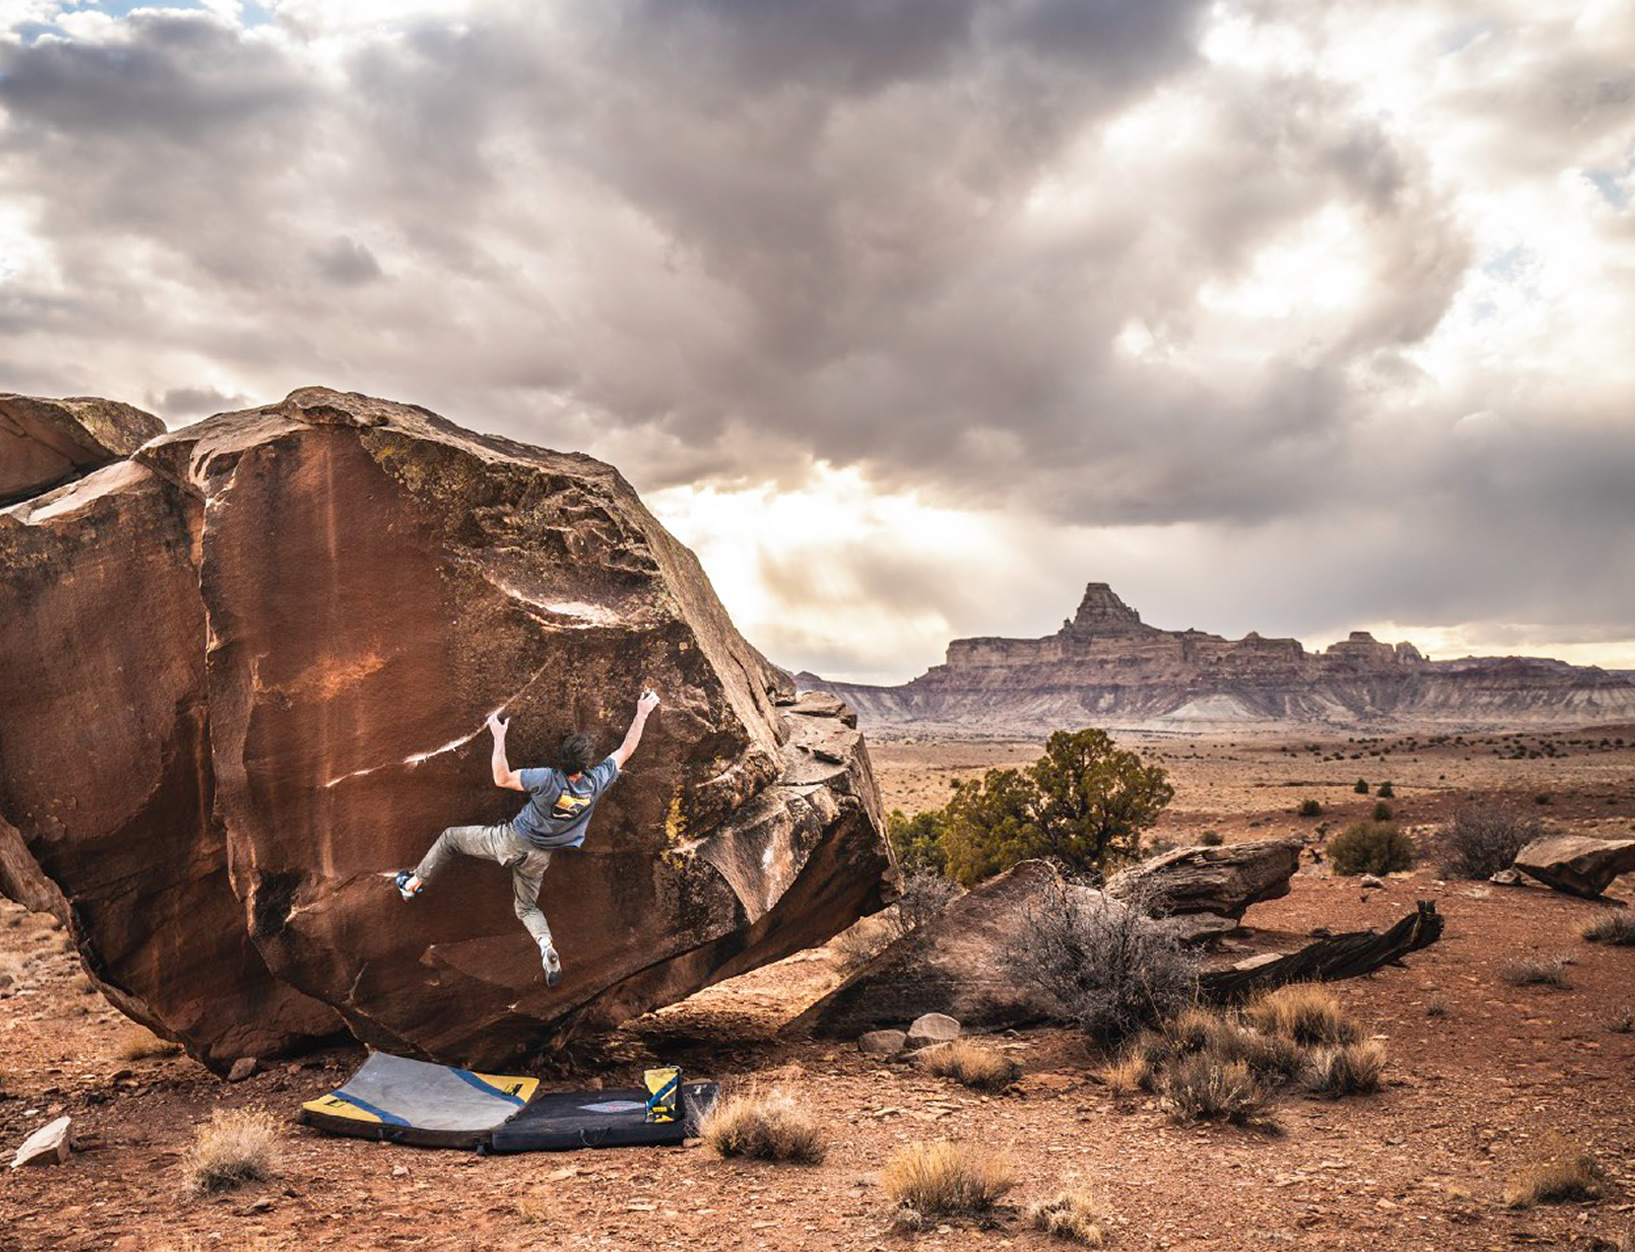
(1480, 1073)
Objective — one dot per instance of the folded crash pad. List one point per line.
(404, 1101)
(557, 1120)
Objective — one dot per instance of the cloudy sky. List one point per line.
(911, 316)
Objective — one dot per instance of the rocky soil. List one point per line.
(1480, 1073)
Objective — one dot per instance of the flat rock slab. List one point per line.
(1224, 880)
(49, 1145)
(1576, 864)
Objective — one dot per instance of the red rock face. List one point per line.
(47, 442)
(346, 589)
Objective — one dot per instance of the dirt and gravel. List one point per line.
(1481, 1072)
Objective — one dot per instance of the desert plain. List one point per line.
(1481, 1074)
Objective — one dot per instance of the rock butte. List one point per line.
(244, 677)
(1106, 667)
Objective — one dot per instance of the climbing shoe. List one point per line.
(552, 962)
(403, 879)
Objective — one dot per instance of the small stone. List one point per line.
(243, 1068)
(1373, 881)
(882, 1042)
(1507, 878)
(400, 1171)
(49, 1145)
(931, 1028)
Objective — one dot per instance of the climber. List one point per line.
(560, 802)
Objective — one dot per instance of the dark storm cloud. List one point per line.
(720, 239)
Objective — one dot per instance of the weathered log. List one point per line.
(1328, 960)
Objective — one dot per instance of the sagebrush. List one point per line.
(1371, 848)
(1481, 840)
(1101, 961)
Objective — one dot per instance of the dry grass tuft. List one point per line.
(234, 1147)
(1305, 1013)
(763, 1126)
(1204, 1088)
(1621, 1023)
(136, 1043)
(977, 1067)
(1350, 1069)
(1536, 971)
(1562, 1172)
(942, 1178)
(1071, 1215)
(536, 1206)
(1615, 927)
(1131, 1074)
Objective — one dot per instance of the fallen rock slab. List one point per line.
(292, 621)
(1224, 880)
(44, 443)
(1577, 864)
(49, 1145)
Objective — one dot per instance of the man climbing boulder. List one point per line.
(560, 803)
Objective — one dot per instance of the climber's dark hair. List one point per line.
(573, 757)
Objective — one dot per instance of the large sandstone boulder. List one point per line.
(1576, 864)
(47, 442)
(1224, 880)
(244, 678)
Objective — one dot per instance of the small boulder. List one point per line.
(1576, 864)
(49, 1145)
(1373, 881)
(882, 1042)
(1506, 878)
(930, 1028)
(243, 1068)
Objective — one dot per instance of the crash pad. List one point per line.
(415, 1102)
(407, 1101)
(558, 1120)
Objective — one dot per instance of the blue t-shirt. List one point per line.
(559, 807)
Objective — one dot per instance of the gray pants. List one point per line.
(502, 844)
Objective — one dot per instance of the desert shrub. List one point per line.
(1211, 839)
(917, 841)
(1306, 1013)
(1562, 1171)
(136, 1043)
(1350, 1069)
(1385, 791)
(1371, 848)
(923, 895)
(942, 1178)
(1311, 808)
(1621, 1023)
(1382, 811)
(1084, 803)
(234, 1147)
(1536, 971)
(763, 1126)
(1070, 1215)
(1362, 787)
(1483, 839)
(1203, 1087)
(1101, 961)
(980, 1068)
(1614, 927)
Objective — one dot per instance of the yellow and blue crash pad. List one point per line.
(416, 1102)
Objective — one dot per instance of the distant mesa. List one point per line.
(1105, 666)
